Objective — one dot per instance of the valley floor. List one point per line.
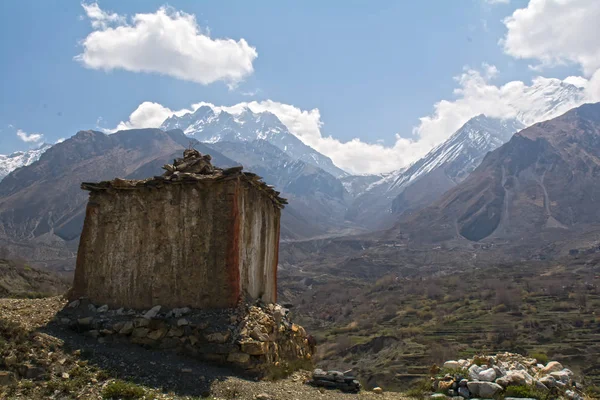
(63, 365)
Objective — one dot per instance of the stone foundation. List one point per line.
(257, 339)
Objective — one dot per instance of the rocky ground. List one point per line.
(39, 360)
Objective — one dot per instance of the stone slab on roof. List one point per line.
(193, 168)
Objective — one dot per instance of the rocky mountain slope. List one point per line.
(17, 279)
(42, 206)
(18, 159)
(210, 126)
(428, 178)
(545, 179)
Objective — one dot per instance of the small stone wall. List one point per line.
(256, 339)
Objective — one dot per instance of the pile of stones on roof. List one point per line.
(192, 163)
(193, 167)
(492, 376)
(254, 337)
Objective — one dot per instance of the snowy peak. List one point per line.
(9, 163)
(210, 125)
(428, 178)
(547, 98)
(464, 150)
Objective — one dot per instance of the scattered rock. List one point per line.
(253, 347)
(32, 372)
(141, 322)
(572, 395)
(263, 396)
(158, 334)
(87, 321)
(377, 390)
(218, 337)
(563, 376)
(335, 380)
(74, 304)
(102, 309)
(183, 322)
(10, 360)
(548, 381)
(486, 390)
(552, 366)
(7, 378)
(127, 328)
(152, 313)
(238, 358)
(488, 375)
(452, 365)
(140, 332)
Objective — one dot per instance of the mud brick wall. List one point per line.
(203, 243)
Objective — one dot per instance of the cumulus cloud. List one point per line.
(167, 42)
(29, 138)
(497, 1)
(556, 32)
(475, 94)
(148, 115)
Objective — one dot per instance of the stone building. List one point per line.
(197, 236)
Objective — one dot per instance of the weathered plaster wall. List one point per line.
(260, 249)
(202, 245)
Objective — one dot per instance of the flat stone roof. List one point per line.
(183, 178)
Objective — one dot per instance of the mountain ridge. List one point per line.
(210, 126)
(544, 178)
(429, 177)
(18, 159)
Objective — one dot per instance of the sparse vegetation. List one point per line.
(546, 310)
(121, 390)
(523, 391)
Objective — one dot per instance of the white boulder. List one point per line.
(485, 390)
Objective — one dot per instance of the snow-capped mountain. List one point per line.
(212, 126)
(439, 170)
(452, 161)
(463, 151)
(545, 99)
(9, 163)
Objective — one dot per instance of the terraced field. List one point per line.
(392, 330)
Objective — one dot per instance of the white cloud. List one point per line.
(167, 42)
(497, 1)
(147, 115)
(30, 138)
(60, 140)
(556, 32)
(474, 95)
(101, 19)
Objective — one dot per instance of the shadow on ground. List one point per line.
(159, 369)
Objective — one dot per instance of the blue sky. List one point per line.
(372, 69)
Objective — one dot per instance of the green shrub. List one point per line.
(523, 391)
(593, 392)
(541, 358)
(418, 389)
(123, 391)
